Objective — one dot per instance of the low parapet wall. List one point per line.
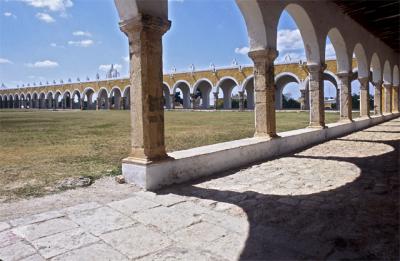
(207, 160)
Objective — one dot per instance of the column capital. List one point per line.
(387, 85)
(315, 67)
(268, 55)
(344, 74)
(378, 83)
(143, 22)
(364, 81)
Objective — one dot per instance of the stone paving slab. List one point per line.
(101, 220)
(43, 229)
(137, 241)
(337, 200)
(63, 242)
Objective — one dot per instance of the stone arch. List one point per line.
(1, 102)
(332, 78)
(307, 31)
(226, 84)
(184, 86)
(281, 80)
(376, 68)
(58, 99)
(339, 45)
(248, 89)
(201, 91)
(67, 99)
(387, 72)
(115, 98)
(50, 100)
(29, 100)
(22, 100)
(102, 99)
(16, 101)
(362, 63)
(35, 100)
(126, 98)
(88, 101)
(42, 101)
(76, 99)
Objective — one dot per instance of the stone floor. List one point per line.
(337, 200)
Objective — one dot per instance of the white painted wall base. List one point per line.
(207, 160)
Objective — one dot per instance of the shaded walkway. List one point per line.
(339, 199)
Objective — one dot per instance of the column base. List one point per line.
(345, 120)
(320, 127)
(148, 175)
(267, 136)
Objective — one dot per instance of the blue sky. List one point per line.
(46, 40)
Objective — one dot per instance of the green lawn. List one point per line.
(40, 148)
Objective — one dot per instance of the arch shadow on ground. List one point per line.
(359, 220)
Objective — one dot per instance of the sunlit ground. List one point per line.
(40, 148)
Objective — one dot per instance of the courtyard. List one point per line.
(336, 200)
(42, 148)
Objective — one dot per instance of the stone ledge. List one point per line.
(207, 160)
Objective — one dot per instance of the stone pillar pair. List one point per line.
(316, 94)
(364, 97)
(387, 98)
(147, 114)
(395, 98)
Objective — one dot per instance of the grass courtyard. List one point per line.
(40, 148)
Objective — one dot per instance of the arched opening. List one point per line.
(363, 77)
(35, 101)
(331, 92)
(1, 102)
(201, 92)
(89, 99)
(66, 100)
(22, 101)
(16, 101)
(167, 97)
(29, 101)
(102, 99)
(115, 98)
(127, 98)
(50, 100)
(377, 82)
(287, 93)
(76, 100)
(42, 101)
(181, 93)
(58, 100)
(224, 89)
(248, 89)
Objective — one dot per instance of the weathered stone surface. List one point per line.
(101, 220)
(4, 226)
(95, 252)
(35, 257)
(165, 219)
(16, 251)
(204, 233)
(81, 207)
(136, 241)
(8, 238)
(43, 229)
(62, 242)
(163, 199)
(132, 205)
(36, 218)
(175, 253)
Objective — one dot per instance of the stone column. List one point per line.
(364, 97)
(302, 99)
(264, 87)
(241, 101)
(338, 99)
(215, 100)
(345, 96)
(387, 103)
(395, 98)
(172, 100)
(378, 98)
(147, 113)
(193, 101)
(316, 90)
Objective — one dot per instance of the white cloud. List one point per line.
(43, 64)
(9, 14)
(45, 17)
(4, 61)
(83, 43)
(106, 67)
(290, 46)
(82, 33)
(52, 5)
(242, 50)
(126, 58)
(53, 45)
